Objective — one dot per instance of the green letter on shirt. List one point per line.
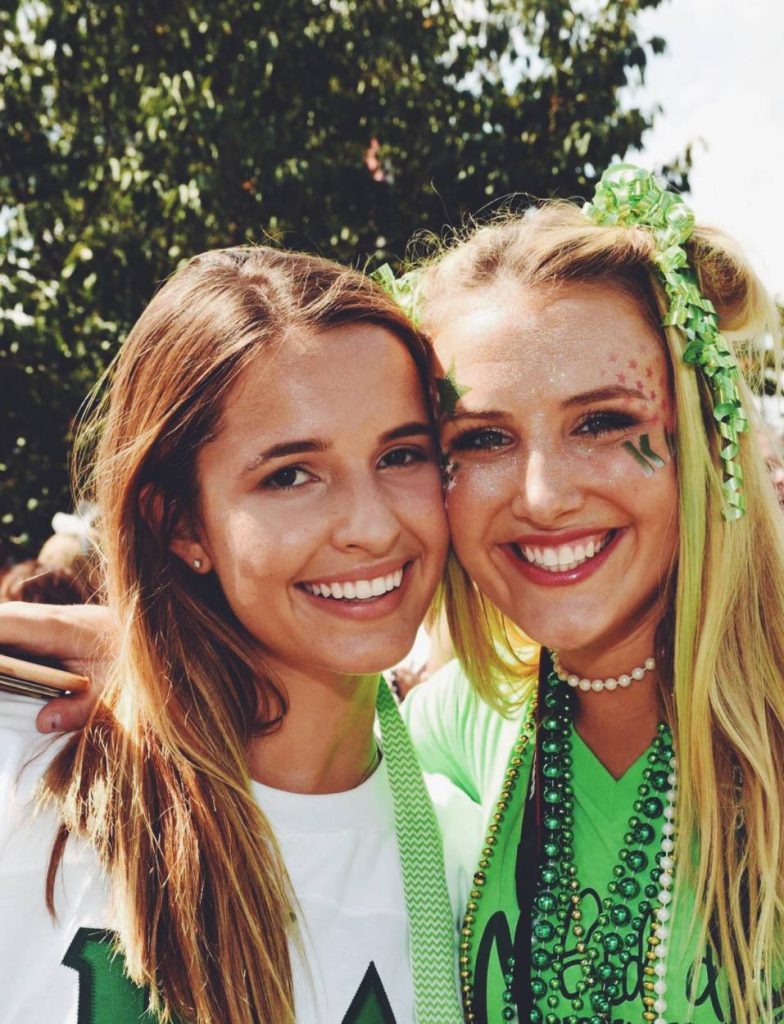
(106, 993)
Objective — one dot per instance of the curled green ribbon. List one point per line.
(632, 197)
(402, 289)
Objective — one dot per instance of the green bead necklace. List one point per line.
(639, 875)
(511, 776)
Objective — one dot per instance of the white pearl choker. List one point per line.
(597, 685)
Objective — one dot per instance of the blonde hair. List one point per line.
(721, 640)
(158, 782)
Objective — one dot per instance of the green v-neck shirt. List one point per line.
(461, 737)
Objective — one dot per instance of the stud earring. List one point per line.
(197, 563)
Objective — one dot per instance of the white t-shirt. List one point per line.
(342, 857)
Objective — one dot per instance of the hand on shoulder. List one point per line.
(81, 637)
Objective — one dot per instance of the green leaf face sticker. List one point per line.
(449, 391)
(646, 458)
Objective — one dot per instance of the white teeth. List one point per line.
(566, 557)
(357, 590)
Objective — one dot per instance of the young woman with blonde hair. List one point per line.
(229, 842)
(606, 496)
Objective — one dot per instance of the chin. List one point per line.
(566, 631)
(373, 663)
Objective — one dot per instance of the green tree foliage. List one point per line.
(137, 133)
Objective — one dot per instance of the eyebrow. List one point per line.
(584, 398)
(476, 414)
(308, 445)
(603, 395)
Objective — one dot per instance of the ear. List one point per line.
(191, 551)
(185, 543)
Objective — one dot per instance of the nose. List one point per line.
(548, 488)
(365, 519)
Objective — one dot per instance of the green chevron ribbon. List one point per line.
(632, 197)
(432, 930)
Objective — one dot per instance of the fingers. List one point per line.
(65, 714)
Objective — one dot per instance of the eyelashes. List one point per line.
(287, 478)
(599, 424)
(481, 439)
(290, 478)
(595, 424)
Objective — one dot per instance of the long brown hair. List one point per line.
(721, 641)
(158, 781)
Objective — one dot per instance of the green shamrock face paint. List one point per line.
(646, 458)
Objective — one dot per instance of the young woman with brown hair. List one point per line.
(226, 822)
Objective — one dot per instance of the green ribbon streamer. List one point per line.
(432, 929)
(401, 289)
(629, 196)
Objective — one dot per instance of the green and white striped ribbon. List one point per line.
(431, 926)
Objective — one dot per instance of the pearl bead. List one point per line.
(660, 986)
(597, 685)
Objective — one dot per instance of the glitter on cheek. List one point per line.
(449, 471)
(479, 489)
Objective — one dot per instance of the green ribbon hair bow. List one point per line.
(632, 197)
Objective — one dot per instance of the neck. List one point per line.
(325, 743)
(619, 725)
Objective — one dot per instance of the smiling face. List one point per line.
(320, 504)
(563, 495)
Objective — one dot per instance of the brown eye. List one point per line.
(287, 478)
(399, 457)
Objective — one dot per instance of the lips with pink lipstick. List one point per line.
(562, 558)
